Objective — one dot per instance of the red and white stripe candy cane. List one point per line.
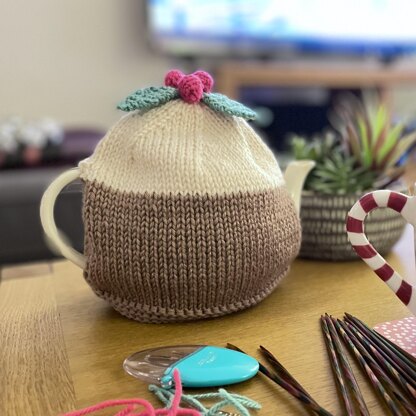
(402, 204)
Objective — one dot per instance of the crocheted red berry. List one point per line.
(173, 77)
(207, 80)
(191, 89)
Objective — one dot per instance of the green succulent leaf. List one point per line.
(148, 98)
(389, 143)
(353, 141)
(301, 149)
(403, 145)
(380, 122)
(225, 105)
(365, 143)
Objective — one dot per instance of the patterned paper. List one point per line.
(402, 332)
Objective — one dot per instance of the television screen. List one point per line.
(204, 27)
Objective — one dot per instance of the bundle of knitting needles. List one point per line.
(390, 369)
(282, 377)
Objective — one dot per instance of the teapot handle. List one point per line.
(48, 221)
(356, 235)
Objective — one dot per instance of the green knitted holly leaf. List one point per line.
(148, 98)
(223, 104)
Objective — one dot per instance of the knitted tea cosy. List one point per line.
(185, 210)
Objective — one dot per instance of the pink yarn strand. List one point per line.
(175, 409)
(125, 412)
(131, 403)
(178, 393)
(149, 410)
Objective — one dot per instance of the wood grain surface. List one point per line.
(62, 348)
(34, 366)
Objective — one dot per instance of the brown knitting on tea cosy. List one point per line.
(185, 210)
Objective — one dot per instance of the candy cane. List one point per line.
(402, 204)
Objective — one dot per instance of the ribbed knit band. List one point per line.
(161, 258)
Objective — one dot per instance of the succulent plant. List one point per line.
(339, 175)
(317, 149)
(369, 135)
(363, 152)
(335, 172)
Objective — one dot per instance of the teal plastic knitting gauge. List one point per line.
(199, 366)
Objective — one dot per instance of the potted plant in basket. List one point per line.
(363, 152)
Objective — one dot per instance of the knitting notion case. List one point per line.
(185, 210)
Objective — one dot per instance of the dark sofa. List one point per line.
(21, 189)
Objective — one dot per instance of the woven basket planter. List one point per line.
(323, 227)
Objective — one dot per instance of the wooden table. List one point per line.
(61, 348)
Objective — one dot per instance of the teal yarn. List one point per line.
(148, 98)
(222, 104)
(239, 402)
(152, 97)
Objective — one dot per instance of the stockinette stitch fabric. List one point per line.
(185, 209)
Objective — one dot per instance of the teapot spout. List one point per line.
(295, 175)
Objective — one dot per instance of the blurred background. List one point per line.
(66, 64)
